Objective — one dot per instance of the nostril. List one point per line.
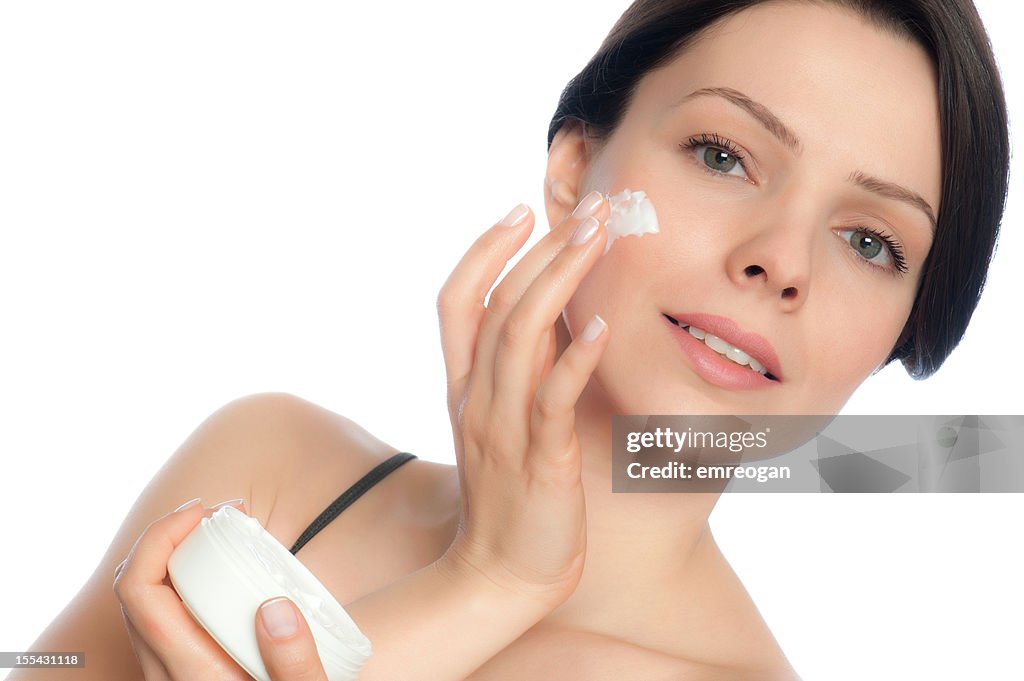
(753, 270)
(788, 292)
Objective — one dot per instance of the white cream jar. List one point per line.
(228, 565)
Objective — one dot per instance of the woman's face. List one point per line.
(782, 151)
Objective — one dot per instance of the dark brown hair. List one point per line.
(972, 114)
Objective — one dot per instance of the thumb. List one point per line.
(286, 643)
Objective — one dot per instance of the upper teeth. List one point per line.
(723, 348)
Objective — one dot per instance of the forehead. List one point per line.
(853, 93)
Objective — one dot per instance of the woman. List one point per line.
(816, 174)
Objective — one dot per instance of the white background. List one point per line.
(202, 200)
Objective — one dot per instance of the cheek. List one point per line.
(856, 340)
(612, 287)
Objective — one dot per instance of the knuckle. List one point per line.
(123, 589)
(513, 332)
(502, 301)
(147, 623)
(131, 599)
(545, 407)
(151, 627)
(571, 360)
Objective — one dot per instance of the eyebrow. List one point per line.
(778, 129)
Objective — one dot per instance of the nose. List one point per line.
(776, 261)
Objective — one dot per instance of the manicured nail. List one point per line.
(584, 231)
(279, 618)
(594, 328)
(515, 216)
(187, 504)
(233, 502)
(588, 205)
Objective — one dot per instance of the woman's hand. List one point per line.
(523, 521)
(170, 645)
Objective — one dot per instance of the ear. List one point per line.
(568, 159)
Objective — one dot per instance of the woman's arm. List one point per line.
(442, 622)
(236, 452)
(244, 450)
(438, 624)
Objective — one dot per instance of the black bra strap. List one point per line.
(350, 495)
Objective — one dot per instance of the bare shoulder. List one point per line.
(291, 458)
(287, 457)
(402, 523)
(295, 457)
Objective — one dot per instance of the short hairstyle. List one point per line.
(972, 113)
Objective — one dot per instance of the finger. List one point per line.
(147, 561)
(460, 303)
(146, 564)
(553, 416)
(497, 334)
(192, 658)
(238, 503)
(528, 328)
(153, 607)
(152, 668)
(548, 351)
(286, 643)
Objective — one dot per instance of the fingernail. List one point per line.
(515, 216)
(588, 205)
(584, 231)
(187, 504)
(279, 618)
(594, 328)
(233, 502)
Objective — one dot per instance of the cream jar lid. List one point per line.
(229, 564)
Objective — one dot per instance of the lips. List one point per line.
(752, 344)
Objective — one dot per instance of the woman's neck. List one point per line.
(654, 575)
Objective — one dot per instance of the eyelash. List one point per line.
(899, 261)
(722, 143)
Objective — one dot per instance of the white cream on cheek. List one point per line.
(632, 213)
